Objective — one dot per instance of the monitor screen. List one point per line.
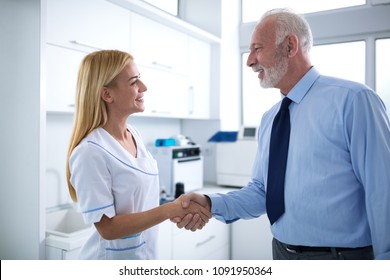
(249, 132)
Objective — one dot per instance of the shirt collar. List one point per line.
(298, 92)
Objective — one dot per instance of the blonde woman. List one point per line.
(110, 173)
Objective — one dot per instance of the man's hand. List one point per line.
(190, 221)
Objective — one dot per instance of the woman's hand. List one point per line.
(198, 206)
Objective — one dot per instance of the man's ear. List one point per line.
(292, 45)
(106, 95)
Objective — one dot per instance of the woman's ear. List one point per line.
(106, 95)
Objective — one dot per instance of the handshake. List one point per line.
(192, 211)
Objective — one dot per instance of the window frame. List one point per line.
(332, 9)
(337, 30)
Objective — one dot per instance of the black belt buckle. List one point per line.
(292, 249)
(300, 249)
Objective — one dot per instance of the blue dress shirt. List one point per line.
(337, 188)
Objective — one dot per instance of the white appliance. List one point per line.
(235, 159)
(179, 164)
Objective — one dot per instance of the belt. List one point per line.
(301, 249)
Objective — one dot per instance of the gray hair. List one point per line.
(289, 22)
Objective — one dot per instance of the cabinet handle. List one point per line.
(191, 96)
(206, 241)
(155, 63)
(161, 112)
(81, 43)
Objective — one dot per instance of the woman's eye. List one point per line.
(133, 82)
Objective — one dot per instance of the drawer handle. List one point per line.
(191, 98)
(80, 43)
(188, 159)
(161, 65)
(206, 241)
(161, 112)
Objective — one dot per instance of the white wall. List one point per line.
(22, 130)
(230, 66)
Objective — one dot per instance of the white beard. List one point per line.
(273, 75)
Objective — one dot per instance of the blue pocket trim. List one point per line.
(125, 249)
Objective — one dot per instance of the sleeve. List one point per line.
(368, 134)
(91, 178)
(246, 203)
(241, 204)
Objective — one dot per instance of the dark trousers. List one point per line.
(281, 251)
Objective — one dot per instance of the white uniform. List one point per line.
(109, 181)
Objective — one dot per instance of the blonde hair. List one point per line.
(98, 69)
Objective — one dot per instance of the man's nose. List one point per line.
(250, 61)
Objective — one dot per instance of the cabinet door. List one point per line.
(252, 239)
(71, 255)
(61, 76)
(165, 240)
(166, 94)
(156, 45)
(201, 244)
(88, 24)
(199, 79)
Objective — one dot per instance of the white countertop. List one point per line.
(210, 188)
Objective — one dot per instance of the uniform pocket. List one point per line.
(130, 247)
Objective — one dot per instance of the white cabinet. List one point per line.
(53, 253)
(161, 55)
(174, 66)
(61, 76)
(88, 25)
(252, 239)
(212, 242)
(199, 55)
(75, 28)
(165, 238)
(209, 243)
(156, 45)
(167, 92)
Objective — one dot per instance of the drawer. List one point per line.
(200, 244)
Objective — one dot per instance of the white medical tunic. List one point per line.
(109, 181)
